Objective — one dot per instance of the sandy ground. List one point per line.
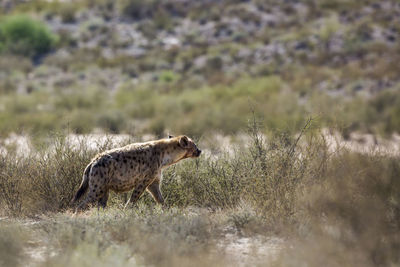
(363, 143)
(239, 250)
(250, 251)
(357, 142)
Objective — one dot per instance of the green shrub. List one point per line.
(169, 76)
(22, 35)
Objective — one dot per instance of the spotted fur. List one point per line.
(136, 166)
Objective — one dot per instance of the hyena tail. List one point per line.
(84, 185)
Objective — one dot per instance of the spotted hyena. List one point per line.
(136, 166)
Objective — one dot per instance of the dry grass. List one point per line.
(336, 208)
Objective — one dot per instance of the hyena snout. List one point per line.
(197, 153)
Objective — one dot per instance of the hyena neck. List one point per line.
(166, 160)
(170, 158)
(169, 153)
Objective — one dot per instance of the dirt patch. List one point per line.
(250, 250)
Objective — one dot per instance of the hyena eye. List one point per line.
(170, 136)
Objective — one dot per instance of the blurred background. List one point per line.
(295, 103)
(194, 67)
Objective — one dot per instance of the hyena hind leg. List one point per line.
(95, 195)
(85, 203)
(103, 200)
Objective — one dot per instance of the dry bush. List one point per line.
(10, 186)
(44, 180)
(353, 214)
(269, 174)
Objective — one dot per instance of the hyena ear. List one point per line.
(184, 142)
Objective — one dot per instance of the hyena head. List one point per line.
(189, 146)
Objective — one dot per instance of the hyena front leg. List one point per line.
(154, 189)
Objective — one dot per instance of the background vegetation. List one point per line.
(240, 77)
(133, 67)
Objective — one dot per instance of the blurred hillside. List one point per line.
(148, 66)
